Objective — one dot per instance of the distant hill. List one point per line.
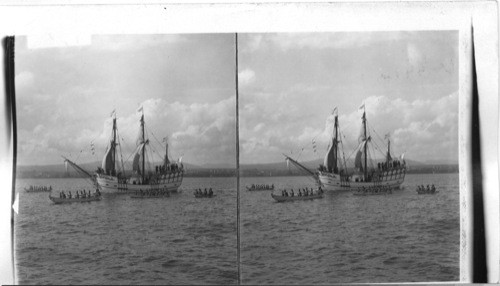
(281, 169)
(59, 170)
(224, 170)
(309, 164)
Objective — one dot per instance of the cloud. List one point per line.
(424, 129)
(337, 40)
(133, 42)
(66, 94)
(251, 42)
(24, 79)
(201, 133)
(414, 55)
(246, 76)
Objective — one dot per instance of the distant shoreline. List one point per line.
(207, 173)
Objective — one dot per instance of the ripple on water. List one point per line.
(123, 241)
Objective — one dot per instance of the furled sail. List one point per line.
(388, 156)
(304, 168)
(359, 153)
(361, 136)
(166, 161)
(328, 161)
(107, 161)
(137, 156)
(140, 136)
(80, 170)
(330, 157)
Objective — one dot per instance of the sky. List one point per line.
(289, 84)
(185, 83)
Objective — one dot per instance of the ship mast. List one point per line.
(143, 148)
(113, 154)
(364, 151)
(335, 151)
(388, 150)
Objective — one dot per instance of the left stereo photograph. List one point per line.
(126, 160)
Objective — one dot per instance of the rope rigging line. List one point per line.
(374, 142)
(372, 164)
(159, 156)
(343, 153)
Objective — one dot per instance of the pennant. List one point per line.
(334, 110)
(388, 135)
(362, 106)
(140, 109)
(113, 113)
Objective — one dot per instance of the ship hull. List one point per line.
(111, 185)
(390, 179)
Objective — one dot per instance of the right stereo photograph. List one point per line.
(348, 146)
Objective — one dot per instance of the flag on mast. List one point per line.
(362, 106)
(139, 109)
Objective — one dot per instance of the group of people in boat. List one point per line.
(80, 194)
(173, 167)
(152, 193)
(263, 186)
(390, 165)
(206, 192)
(374, 190)
(40, 188)
(301, 192)
(429, 190)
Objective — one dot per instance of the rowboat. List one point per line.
(425, 192)
(204, 196)
(39, 190)
(145, 196)
(263, 188)
(372, 191)
(296, 198)
(74, 200)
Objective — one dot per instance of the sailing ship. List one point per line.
(334, 176)
(166, 177)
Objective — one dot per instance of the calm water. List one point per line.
(183, 240)
(403, 237)
(119, 240)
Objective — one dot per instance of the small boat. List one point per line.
(38, 189)
(421, 190)
(372, 191)
(296, 198)
(150, 196)
(74, 200)
(260, 188)
(425, 192)
(204, 196)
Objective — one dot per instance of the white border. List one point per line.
(66, 21)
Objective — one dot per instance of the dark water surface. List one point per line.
(119, 240)
(403, 237)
